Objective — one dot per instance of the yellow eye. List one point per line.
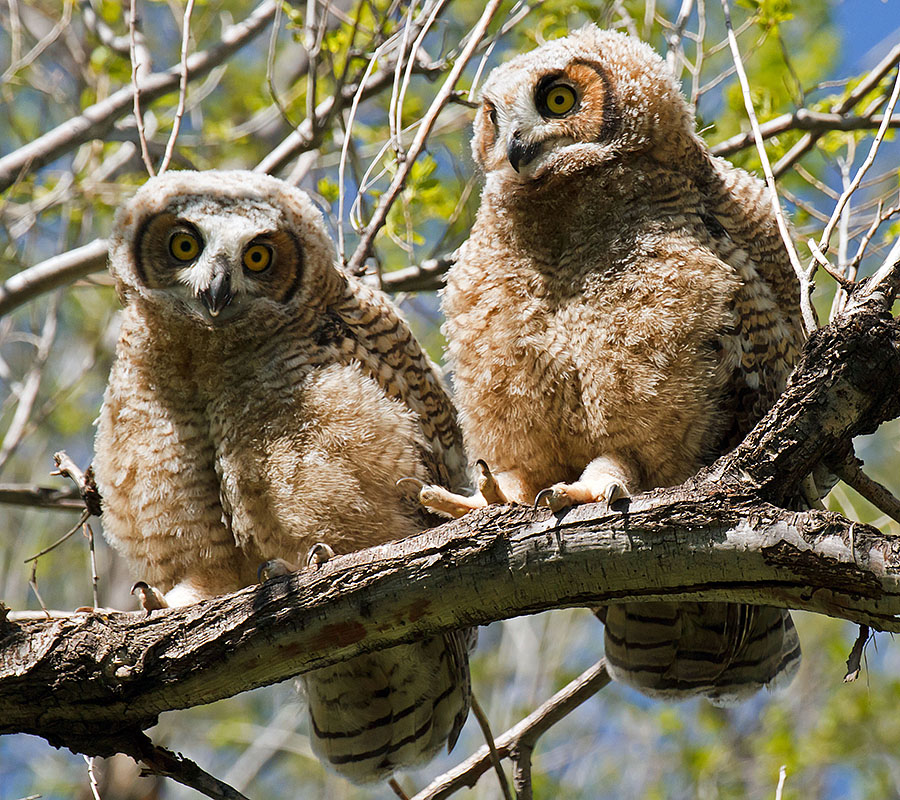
(184, 246)
(558, 100)
(257, 257)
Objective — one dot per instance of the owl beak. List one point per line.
(521, 153)
(218, 294)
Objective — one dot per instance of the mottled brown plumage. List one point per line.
(623, 312)
(263, 402)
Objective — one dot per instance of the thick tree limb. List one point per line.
(88, 680)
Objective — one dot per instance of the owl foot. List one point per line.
(274, 568)
(488, 493)
(562, 495)
(319, 554)
(150, 598)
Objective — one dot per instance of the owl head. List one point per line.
(213, 245)
(587, 99)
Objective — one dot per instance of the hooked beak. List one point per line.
(218, 294)
(521, 153)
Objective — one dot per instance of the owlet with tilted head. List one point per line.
(622, 313)
(263, 405)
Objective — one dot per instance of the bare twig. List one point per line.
(87, 487)
(96, 121)
(30, 385)
(527, 731)
(137, 75)
(156, 760)
(854, 660)
(356, 262)
(17, 63)
(782, 777)
(95, 577)
(881, 215)
(92, 778)
(864, 167)
(803, 120)
(32, 582)
(397, 789)
(71, 532)
(809, 318)
(878, 495)
(865, 86)
(485, 725)
(40, 497)
(182, 86)
(52, 273)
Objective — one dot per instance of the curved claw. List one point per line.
(319, 554)
(151, 599)
(274, 568)
(542, 498)
(415, 481)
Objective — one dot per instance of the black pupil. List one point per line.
(558, 99)
(185, 246)
(256, 256)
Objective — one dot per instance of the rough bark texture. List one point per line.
(92, 681)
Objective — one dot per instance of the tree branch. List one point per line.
(87, 680)
(523, 734)
(97, 120)
(803, 120)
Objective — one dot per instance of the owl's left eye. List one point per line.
(556, 100)
(257, 257)
(185, 246)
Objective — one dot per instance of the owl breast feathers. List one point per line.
(262, 402)
(622, 313)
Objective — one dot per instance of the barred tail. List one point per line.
(724, 651)
(391, 709)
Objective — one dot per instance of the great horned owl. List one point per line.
(622, 313)
(263, 402)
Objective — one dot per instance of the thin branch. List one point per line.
(809, 318)
(40, 497)
(866, 85)
(97, 120)
(182, 86)
(156, 760)
(485, 726)
(68, 535)
(782, 777)
(379, 217)
(84, 481)
(864, 167)
(137, 76)
(30, 385)
(528, 730)
(305, 136)
(803, 120)
(854, 660)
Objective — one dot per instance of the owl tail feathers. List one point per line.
(724, 651)
(389, 710)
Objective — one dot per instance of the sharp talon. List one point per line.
(419, 484)
(320, 553)
(274, 568)
(150, 598)
(542, 498)
(482, 465)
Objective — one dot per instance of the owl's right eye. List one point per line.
(492, 114)
(185, 246)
